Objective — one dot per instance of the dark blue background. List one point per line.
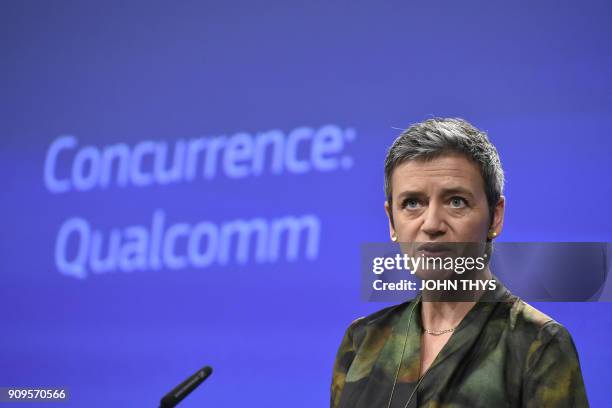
(536, 75)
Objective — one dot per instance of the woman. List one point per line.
(444, 183)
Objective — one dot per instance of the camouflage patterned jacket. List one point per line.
(503, 354)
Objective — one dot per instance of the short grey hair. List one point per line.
(438, 136)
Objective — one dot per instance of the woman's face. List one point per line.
(441, 200)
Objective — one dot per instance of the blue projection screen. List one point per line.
(189, 183)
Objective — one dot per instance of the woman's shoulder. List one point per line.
(547, 357)
(527, 324)
(523, 315)
(379, 320)
(382, 317)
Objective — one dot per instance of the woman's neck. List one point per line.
(446, 315)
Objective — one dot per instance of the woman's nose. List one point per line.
(433, 222)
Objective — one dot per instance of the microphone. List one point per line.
(182, 390)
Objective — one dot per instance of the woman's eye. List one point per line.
(411, 203)
(457, 202)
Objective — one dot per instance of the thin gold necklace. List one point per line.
(439, 332)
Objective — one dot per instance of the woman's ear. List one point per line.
(392, 233)
(498, 217)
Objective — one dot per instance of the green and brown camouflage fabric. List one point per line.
(503, 354)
